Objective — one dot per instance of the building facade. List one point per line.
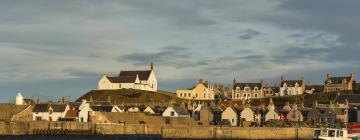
(247, 90)
(141, 80)
(291, 87)
(202, 91)
(336, 84)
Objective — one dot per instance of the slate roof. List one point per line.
(180, 110)
(122, 79)
(352, 98)
(317, 88)
(251, 85)
(71, 114)
(143, 75)
(102, 108)
(45, 107)
(338, 80)
(75, 105)
(291, 83)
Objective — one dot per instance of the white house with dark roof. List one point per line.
(174, 111)
(141, 80)
(49, 112)
(247, 90)
(291, 87)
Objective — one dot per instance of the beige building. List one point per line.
(247, 90)
(335, 84)
(141, 80)
(202, 91)
(271, 114)
(291, 87)
(231, 115)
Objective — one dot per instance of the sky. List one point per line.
(51, 49)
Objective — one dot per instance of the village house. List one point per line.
(270, 91)
(295, 114)
(315, 116)
(149, 110)
(291, 87)
(336, 84)
(210, 115)
(196, 111)
(230, 115)
(271, 114)
(248, 116)
(175, 111)
(87, 110)
(49, 111)
(247, 90)
(140, 80)
(202, 91)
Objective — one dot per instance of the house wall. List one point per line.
(291, 90)
(243, 94)
(200, 92)
(84, 112)
(230, 115)
(167, 112)
(271, 115)
(25, 115)
(247, 114)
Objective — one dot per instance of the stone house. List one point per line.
(231, 115)
(270, 91)
(87, 110)
(291, 87)
(272, 114)
(11, 112)
(49, 111)
(247, 114)
(210, 114)
(247, 90)
(202, 91)
(295, 114)
(335, 84)
(175, 111)
(149, 110)
(140, 80)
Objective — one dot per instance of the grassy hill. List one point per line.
(130, 96)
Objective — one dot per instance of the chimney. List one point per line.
(207, 83)
(282, 78)
(327, 75)
(234, 81)
(200, 81)
(151, 66)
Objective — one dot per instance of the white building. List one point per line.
(175, 112)
(292, 87)
(19, 99)
(87, 110)
(141, 80)
(49, 112)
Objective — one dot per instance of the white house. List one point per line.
(19, 99)
(231, 115)
(87, 110)
(133, 109)
(175, 112)
(292, 87)
(49, 112)
(141, 80)
(247, 114)
(271, 114)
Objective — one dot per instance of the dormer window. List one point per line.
(256, 89)
(50, 111)
(344, 81)
(237, 88)
(247, 89)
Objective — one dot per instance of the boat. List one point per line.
(331, 134)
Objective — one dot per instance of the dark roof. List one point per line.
(352, 98)
(180, 111)
(41, 108)
(71, 114)
(291, 83)
(338, 80)
(251, 85)
(45, 107)
(317, 88)
(102, 108)
(122, 79)
(100, 103)
(75, 105)
(143, 75)
(58, 107)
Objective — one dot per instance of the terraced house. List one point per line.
(202, 91)
(247, 90)
(335, 84)
(292, 87)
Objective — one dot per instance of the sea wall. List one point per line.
(166, 131)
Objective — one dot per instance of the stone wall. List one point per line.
(167, 131)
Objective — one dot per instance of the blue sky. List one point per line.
(50, 49)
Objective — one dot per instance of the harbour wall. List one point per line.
(166, 131)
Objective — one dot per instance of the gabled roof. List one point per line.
(41, 108)
(45, 107)
(71, 114)
(352, 98)
(58, 107)
(143, 75)
(291, 83)
(122, 79)
(102, 108)
(180, 110)
(338, 80)
(250, 85)
(9, 110)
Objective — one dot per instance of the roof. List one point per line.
(143, 75)
(251, 85)
(338, 80)
(317, 88)
(352, 98)
(45, 107)
(291, 83)
(122, 79)
(180, 110)
(75, 105)
(9, 110)
(71, 114)
(102, 108)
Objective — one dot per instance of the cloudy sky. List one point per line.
(50, 49)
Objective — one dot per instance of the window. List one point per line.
(237, 95)
(256, 95)
(232, 120)
(247, 89)
(180, 94)
(256, 89)
(172, 113)
(189, 94)
(38, 118)
(196, 95)
(50, 111)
